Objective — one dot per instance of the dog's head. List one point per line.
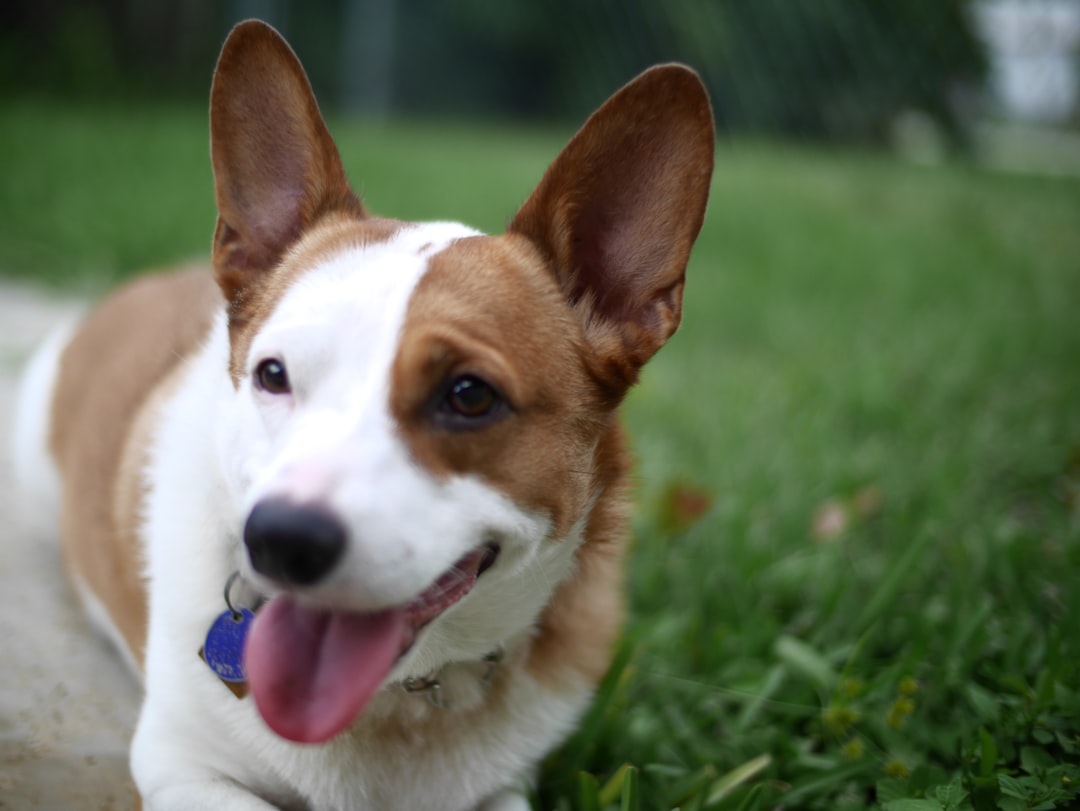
(423, 415)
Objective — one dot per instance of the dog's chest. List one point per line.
(407, 754)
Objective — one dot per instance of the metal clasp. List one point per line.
(428, 685)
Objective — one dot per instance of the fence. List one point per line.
(839, 70)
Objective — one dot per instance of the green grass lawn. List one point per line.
(856, 574)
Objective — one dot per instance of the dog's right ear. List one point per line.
(276, 169)
(617, 213)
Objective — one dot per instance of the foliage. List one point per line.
(856, 574)
(825, 69)
(109, 49)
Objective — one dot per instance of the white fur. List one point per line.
(36, 476)
(218, 450)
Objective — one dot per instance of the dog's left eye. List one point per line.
(271, 377)
(471, 398)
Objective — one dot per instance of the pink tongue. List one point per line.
(311, 671)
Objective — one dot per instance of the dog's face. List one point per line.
(414, 440)
(418, 403)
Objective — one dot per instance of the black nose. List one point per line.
(293, 543)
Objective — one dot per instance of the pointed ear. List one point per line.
(618, 211)
(276, 169)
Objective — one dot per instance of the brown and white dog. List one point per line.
(389, 450)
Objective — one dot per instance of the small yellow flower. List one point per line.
(899, 711)
(853, 749)
(838, 719)
(896, 768)
(908, 686)
(852, 687)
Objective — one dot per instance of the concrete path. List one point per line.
(67, 704)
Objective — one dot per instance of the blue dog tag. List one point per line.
(224, 646)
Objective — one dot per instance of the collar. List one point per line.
(454, 685)
(482, 672)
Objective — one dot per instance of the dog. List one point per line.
(353, 502)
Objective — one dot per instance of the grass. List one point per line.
(856, 574)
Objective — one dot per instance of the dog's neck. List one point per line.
(457, 685)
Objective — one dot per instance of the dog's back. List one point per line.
(76, 423)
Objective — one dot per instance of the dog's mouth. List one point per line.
(311, 670)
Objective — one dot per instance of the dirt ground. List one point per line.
(67, 703)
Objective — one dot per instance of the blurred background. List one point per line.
(855, 579)
(924, 77)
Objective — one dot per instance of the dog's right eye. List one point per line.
(469, 402)
(271, 377)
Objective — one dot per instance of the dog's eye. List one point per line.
(271, 377)
(471, 398)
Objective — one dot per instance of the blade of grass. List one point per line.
(612, 789)
(891, 586)
(988, 753)
(588, 793)
(773, 681)
(631, 796)
(798, 795)
(591, 729)
(805, 660)
(752, 800)
(691, 786)
(736, 777)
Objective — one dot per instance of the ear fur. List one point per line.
(276, 169)
(618, 211)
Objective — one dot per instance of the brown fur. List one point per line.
(488, 306)
(579, 627)
(276, 169)
(617, 213)
(108, 371)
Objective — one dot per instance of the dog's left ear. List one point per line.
(618, 211)
(276, 169)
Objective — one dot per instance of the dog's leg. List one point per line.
(181, 774)
(210, 795)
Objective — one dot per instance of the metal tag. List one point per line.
(224, 646)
